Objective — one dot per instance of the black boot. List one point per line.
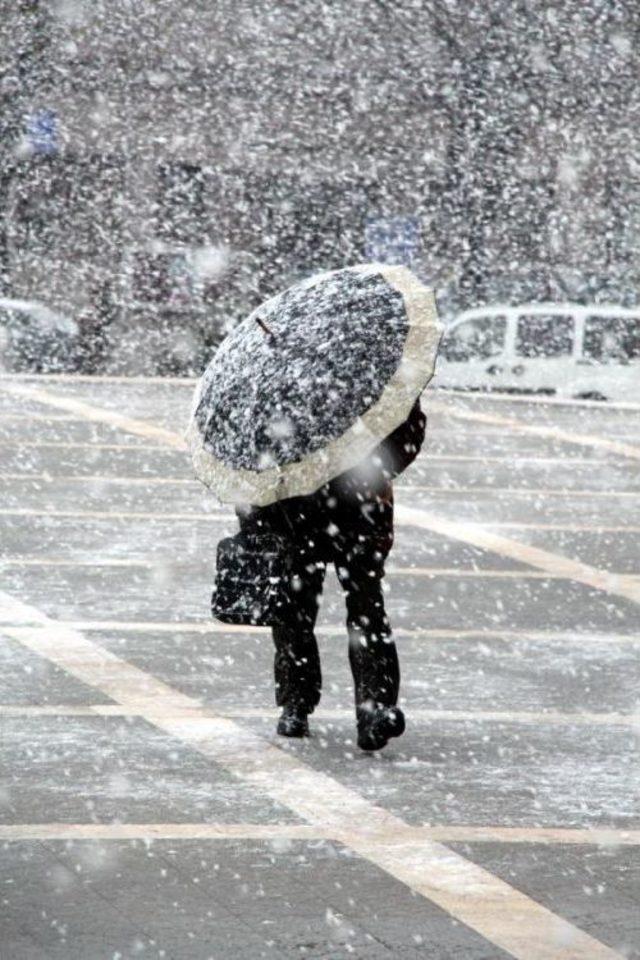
(377, 724)
(293, 722)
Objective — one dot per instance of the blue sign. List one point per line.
(392, 240)
(42, 132)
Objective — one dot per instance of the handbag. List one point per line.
(253, 580)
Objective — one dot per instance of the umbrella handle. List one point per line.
(266, 329)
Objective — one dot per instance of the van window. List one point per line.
(611, 339)
(544, 336)
(476, 339)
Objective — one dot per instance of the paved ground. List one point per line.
(146, 808)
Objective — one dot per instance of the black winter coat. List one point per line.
(352, 512)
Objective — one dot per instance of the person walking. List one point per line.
(307, 411)
(347, 522)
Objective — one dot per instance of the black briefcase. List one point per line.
(253, 580)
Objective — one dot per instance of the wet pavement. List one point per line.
(147, 808)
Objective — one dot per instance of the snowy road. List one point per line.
(147, 809)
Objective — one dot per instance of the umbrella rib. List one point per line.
(264, 326)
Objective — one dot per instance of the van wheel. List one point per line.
(591, 395)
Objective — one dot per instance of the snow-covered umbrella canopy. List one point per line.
(312, 381)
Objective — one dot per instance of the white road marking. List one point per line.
(537, 491)
(472, 716)
(600, 837)
(93, 378)
(441, 429)
(436, 633)
(84, 445)
(125, 481)
(580, 719)
(569, 527)
(110, 418)
(503, 915)
(63, 562)
(227, 516)
(615, 584)
(159, 831)
(118, 515)
(595, 836)
(64, 710)
(429, 573)
(120, 480)
(549, 433)
(508, 458)
(433, 460)
(13, 417)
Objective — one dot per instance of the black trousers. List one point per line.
(349, 523)
(372, 653)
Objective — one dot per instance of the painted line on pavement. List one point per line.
(125, 379)
(600, 837)
(441, 427)
(508, 458)
(227, 516)
(62, 562)
(64, 710)
(604, 837)
(496, 440)
(485, 492)
(436, 633)
(567, 568)
(12, 417)
(591, 440)
(427, 461)
(429, 573)
(49, 478)
(501, 914)
(569, 527)
(537, 491)
(417, 715)
(110, 418)
(118, 515)
(473, 716)
(432, 573)
(84, 445)
(159, 831)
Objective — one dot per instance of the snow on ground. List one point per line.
(146, 806)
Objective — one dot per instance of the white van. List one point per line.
(549, 348)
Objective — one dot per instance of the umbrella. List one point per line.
(311, 382)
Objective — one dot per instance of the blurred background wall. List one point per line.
(164, 166)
